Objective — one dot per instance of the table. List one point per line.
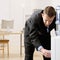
(15, 33)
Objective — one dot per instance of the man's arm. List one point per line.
(33, 33)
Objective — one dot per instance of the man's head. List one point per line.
(48, 15)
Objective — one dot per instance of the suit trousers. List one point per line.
(29, 51)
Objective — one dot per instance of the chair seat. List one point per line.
(4, 42)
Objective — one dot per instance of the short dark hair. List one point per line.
(50, 11)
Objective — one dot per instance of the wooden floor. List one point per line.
(37, 56)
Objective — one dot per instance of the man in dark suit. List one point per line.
(37, 33)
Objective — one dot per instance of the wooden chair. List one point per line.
(2, 47)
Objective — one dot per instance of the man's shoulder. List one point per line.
(36, 13)
(35, 17)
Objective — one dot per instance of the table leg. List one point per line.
(21, 44)
(8, 49)
(3, 46)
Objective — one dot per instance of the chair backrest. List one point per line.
(7, 24)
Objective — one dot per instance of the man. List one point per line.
(37, 33)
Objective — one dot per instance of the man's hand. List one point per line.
(46, 53)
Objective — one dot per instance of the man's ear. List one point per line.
(42, 14)
(54, 16)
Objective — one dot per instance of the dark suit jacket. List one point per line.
(36, 32)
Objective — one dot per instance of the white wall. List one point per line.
(55, 3)
(36, 4)
(4, 10)
(16, 14)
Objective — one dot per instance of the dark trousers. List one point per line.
(29, 51)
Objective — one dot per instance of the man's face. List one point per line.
(47, 20)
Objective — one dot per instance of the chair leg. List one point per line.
(8, 49)
(3, 50)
